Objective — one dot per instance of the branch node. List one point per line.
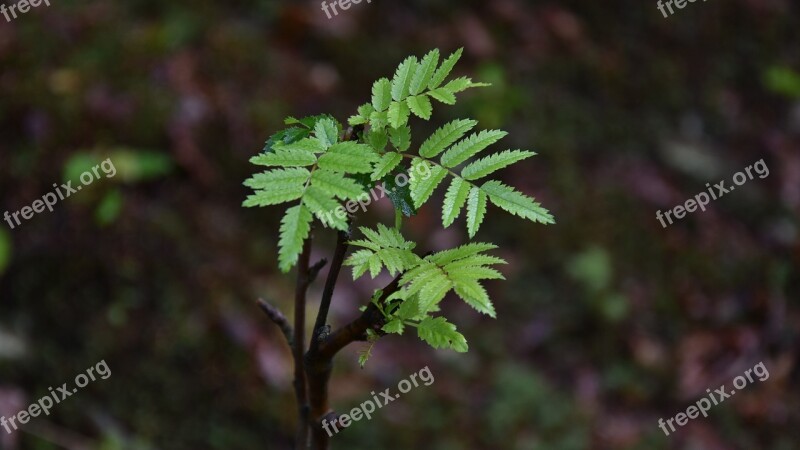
(313, 271)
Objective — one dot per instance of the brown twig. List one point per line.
(303, 280)
(319, 362)
(280, 320)
(327, 291)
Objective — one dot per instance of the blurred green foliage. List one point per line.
(5, 250)
(783, 80)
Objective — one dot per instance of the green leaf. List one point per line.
(348, 157)
(394, 259)
(384, 246)
(472, 261)
(458, 274)
(310, 145)
(318, 200)
(327, 132)
(402, 78)
(476, 210)
(470, 146)
(444, 70)
(387, 237)
(284, 159)
(295, 155)
(424, 72)
(359, 261)
(309, 121)
(375, 265)
(421, 106)
(366, 353)
(493, 163)
(366, 243)
(378, 120)
(429, 281)
(377, 139)
(415, 278)
(295, 226)
(395, 326)
(398, 114)
(357, 120)
(454, 201)
(278, 186)
(463, 83)
(399, 195)
(324, 207)
(364, 356)
(408, 309)
(399, 260)
(459, 268)
(439, 333)
(364, 112)
(422, 186)
(424, 270)
(336, 184)
(388, 162)
(506, 198)
(465, 251)
(433, 291)
(279, 179)
(443, 95)
(401, 138)
(445, 136)
(475, 296)
(381, 94)
(287, 136)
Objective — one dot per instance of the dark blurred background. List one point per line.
(607, 321)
